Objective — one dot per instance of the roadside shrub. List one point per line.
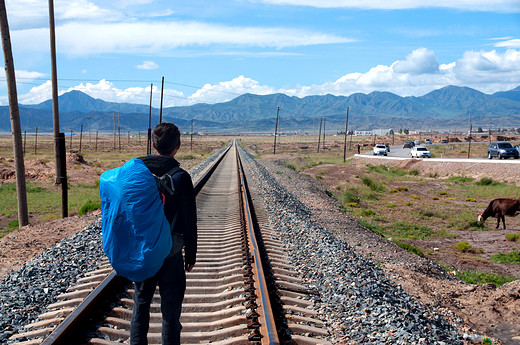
(373, 227)
(478, 277)
(290, 166)
(435, 198)
(463, 246)
(416, 197)
(373, 184)
(329, 193)
(413, 172)
(486, 181)
(408, 203)
(402, 189)
(443, 193)
(368, 212)
(512, 237)
(88, 207)
(391, 205)
(351, 195)
(352, 204)
(409, 247)
(512, 257)
(470, 199)
(393, 191)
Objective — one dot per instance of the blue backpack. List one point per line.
(136, 233)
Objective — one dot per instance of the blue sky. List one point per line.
(213, 51)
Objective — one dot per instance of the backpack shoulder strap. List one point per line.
(166, 181)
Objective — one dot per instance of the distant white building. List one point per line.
(363, 133)
(381, 132)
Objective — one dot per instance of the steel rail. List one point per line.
(68, 329)
(268, 326)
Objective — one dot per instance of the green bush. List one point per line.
(486, 181)
(352, 204)
(329, 193)
(512, 237)
(409, 247)
(351, 195)
(373, 184)
(463, 246)
(88, 207)
(512, 257)
(290, 166)
(368, 212)
(478, 277)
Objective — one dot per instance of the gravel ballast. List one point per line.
(357, 302)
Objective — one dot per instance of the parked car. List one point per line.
(444, 141)
(501, 150)
(417, 142)
(387, 147)
(427, 141)
(517, 147)
(408, 144)
(380, 149)
(420, 152)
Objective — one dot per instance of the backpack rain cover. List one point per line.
(136, 233)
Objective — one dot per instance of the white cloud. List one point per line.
(26, 14)
(510, 43)
(227, 90)
(148, 65)
(417, 74)
(419, 61)
(85, 39)
(472, 5)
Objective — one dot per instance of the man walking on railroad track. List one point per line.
(180, 211)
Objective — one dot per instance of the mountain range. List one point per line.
(445, 108)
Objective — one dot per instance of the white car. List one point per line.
(420, 152)
(380, 149)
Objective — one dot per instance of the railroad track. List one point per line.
(241, 291)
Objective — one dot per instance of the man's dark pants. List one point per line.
(171, 279)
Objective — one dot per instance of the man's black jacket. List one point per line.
(183, 202)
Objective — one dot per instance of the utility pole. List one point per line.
(276, 128)
(191, 136)
(149, 140)
(345, 142)
(160, 111)
(470, 129)
(114, 126)
(59, 138)
(319, 136)
(89, 144)
(119, 129)
(21, 190)
(80, 137)
(36, 140)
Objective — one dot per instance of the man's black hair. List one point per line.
(166, 137)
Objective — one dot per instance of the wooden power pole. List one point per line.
(59, 138)
(21, 191)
